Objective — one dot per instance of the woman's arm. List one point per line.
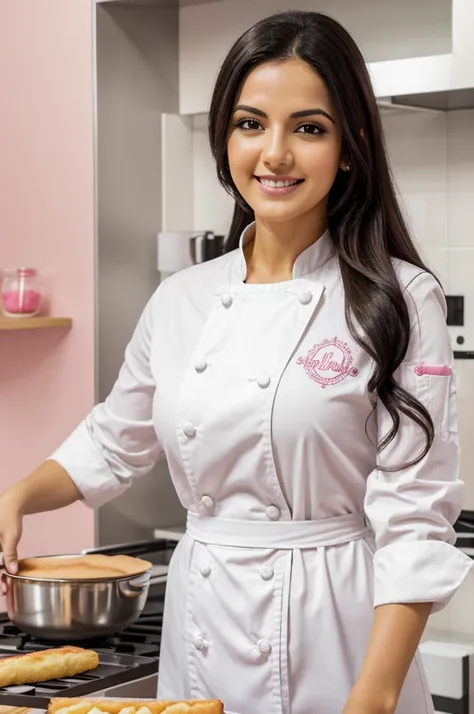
(396, 633)
(112, 446)
(47, 488)
(412, 509)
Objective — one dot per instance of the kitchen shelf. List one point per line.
(34, 323)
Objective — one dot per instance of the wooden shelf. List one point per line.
(33, 323)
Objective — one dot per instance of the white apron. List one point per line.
(257, 394)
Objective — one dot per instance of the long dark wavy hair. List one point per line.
(364, 218)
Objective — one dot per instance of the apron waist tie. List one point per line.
(277, 535)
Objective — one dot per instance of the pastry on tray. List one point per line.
(118, 706)
(42, 666)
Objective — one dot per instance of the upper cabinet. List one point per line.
(419, 52)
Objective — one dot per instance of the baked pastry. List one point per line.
(47, 664)
(117, 706)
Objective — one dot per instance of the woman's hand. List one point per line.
(47, 488)
(11, 527)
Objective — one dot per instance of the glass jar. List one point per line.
(20, 293)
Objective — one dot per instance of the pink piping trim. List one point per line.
(436, 370)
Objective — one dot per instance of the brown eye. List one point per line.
(248, 124)
(310, 129)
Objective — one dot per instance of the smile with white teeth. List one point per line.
(279, 184)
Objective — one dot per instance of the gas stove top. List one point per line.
(126, 657)
(142, 638)
(128, 661)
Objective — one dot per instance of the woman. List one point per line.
(301, 388)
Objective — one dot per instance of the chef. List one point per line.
(301, 387)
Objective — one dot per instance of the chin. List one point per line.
(278, 213)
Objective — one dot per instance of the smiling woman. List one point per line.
(301, 387)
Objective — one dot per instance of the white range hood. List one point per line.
(443, 81)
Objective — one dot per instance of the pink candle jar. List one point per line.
(20, 293)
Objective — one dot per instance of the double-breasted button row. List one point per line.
(264, 647)
(305, 297)
(263, 380)
(189, 429)
(266, 571)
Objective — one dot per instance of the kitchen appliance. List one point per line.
(128, 659)
(449, 667)
(58, 610)
(182, 249)
(464, 528)
(448, 657)
(120, 671)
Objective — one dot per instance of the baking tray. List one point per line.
(113, 669)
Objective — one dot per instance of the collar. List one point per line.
(307, 262)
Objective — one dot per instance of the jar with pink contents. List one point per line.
(20, 293)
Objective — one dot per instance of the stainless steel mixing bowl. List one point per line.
(74, 610)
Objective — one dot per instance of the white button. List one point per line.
(305, 297)
(264, 647)
(226, 300)
(207, 502)
(266, 572)
(200, 643)
(189, 429)
(200, 365)
(205, 570)
(263, 381)
(273, 513)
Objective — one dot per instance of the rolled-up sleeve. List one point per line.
(117, 441)
(412, 510)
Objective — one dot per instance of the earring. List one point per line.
(348, 167)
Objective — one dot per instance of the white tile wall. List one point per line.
(461, 178)
(433, 163)
(417, 146)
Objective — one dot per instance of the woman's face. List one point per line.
(284, 129)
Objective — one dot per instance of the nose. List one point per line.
(276, 151)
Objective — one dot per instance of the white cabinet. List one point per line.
(412, 46)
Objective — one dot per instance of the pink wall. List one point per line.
(46, 220)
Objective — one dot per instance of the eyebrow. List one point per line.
(294, 115)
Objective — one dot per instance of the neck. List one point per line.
(271, 254)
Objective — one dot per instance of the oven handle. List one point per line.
(134, 549)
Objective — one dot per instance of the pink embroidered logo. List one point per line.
(435, 370)
(329, 362)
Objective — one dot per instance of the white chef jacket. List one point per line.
(258, 396)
